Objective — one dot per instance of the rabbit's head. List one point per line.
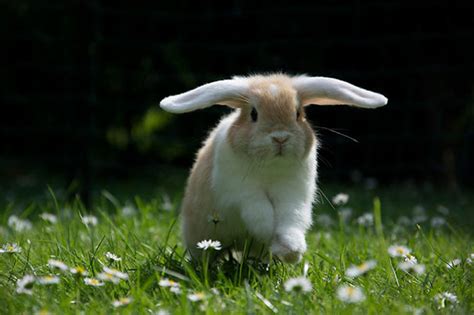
(271, 122)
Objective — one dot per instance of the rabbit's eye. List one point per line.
(254, 115)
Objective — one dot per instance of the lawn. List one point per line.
(124, 255)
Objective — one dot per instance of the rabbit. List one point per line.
(255, 176)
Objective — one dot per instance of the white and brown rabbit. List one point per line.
(255, 176)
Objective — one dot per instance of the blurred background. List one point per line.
(81, 82)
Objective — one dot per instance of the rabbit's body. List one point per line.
(255, 177)
(243, 198)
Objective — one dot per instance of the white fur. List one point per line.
(271, 202)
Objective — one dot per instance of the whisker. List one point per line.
(338, 133)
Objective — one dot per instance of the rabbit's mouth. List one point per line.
(279, 150)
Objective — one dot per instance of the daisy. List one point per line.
(409, 266)
(49, 217)
(18, 224)
(367, 219)
(122, 302)
(89, 220)
(398, 251)
(79, 270)
(57, 264)
(93, 282)
(10, 248)
(112, 257)
(470, 259)
(453, 263)
(165, 282)
(48, 280)
(299, 284)
(24, 285)
(129, 211)
(112, 275)
(410, 258)
(437, 222)
(444, 297)
(340, 199)
(324, 220)
(209, 244)
(175, 290)
(196, 297)
(350, 294)
(345, 214)
(355, 271)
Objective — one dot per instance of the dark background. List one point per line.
(80, 83)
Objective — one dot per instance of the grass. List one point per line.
(143, 230)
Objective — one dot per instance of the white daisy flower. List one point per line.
(470, 259)
(350, 294)
(398, 251)
(206, 244)
(298, 284)
(18, 224)
(446, 297)
(345, 214)
(89, 220)
(93, 282)
(166, 205)
(196, 297)
(443, 210)
(10, 248)
(112, 256)
(49, 217)
(355, 271)
(122, 302)
(410, 259)
(58, 264)
(409, 266)
(404, 221)
(129, 211)
(324, 220)
(25, 284)
(367, 219)
(48, 280)
(419, 214)
(165, 282)
(112, 275)
(437, 222)
(79, 270)
(175, 290)
(340, 199)
(371, 183)
(453, 263)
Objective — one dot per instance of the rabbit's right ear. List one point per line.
(225, 92)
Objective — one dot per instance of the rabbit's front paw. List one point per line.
(289, 245)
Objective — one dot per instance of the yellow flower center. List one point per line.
(350, 291)
(362, 266)
(80, 269)
(94, 282)
(10, 248)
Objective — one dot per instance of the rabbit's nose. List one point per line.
(280, 139)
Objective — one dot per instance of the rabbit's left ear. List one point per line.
(225, 92)
(329, 91)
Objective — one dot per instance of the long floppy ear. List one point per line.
(224, 92)
(328, 91)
